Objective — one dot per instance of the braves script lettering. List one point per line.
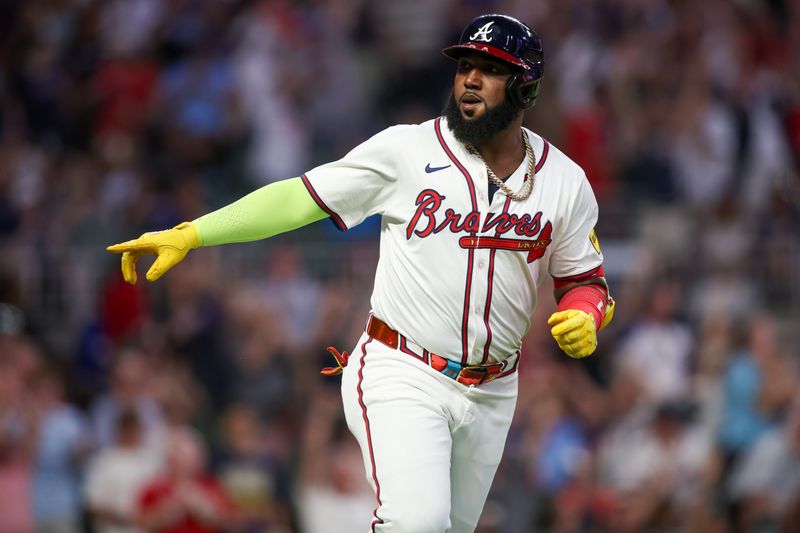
(428, 220)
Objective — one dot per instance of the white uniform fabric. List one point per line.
(433, 284)
(457, 276)
(431, 445)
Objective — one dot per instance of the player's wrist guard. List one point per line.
(580, 314)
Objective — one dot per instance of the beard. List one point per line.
(477, 131)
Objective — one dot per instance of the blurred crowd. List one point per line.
(195, 403)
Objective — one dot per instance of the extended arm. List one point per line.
(273, 209)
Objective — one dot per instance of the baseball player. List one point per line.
(476, 211)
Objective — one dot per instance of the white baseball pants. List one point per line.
(431, 445)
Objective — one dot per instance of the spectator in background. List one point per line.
(122, 314)
(724, 249)
(128, 26)
(196, 96)
(116, 476)
(586, 140)
(766, 482)
(61, 448)
(777, 245)
(715, 344)
(19, 359)
(179, 395)
(657, 349)
(704, 142)
(560, 444)
(660, 473)
(331, 493)
(288, 290)
(264, 372)
(270, 93)
(186, 498)
(122, 86)
(758, 387)
(194, 323)
(557, 447)
(255, 478)
(129, 390)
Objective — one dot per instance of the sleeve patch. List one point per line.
(594, 241)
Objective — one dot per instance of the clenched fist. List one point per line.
(574, 331)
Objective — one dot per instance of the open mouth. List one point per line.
(469, 103)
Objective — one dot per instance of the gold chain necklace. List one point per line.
(527, 186)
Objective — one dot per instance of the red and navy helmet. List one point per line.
(509, 40)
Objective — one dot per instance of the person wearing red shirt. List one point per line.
(186, 499)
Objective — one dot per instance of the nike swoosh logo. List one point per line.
(429, 168)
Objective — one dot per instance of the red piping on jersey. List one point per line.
(337, 220)
(596, 272)
(470, 253)
(488, 305)
(545, 151)
(369, 434)
(513, 368)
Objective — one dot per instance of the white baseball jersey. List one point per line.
(458, 271)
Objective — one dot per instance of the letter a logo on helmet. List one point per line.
(484, 33)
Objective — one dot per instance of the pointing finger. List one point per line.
(140, 244)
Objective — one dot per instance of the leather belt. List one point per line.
(465, 374)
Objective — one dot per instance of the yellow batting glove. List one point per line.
(169, 246)
(610, 305)
(574, 331)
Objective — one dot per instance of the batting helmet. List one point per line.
(509, 40)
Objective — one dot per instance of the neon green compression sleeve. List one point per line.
(275, 208)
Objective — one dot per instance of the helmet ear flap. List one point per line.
(522, 91)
